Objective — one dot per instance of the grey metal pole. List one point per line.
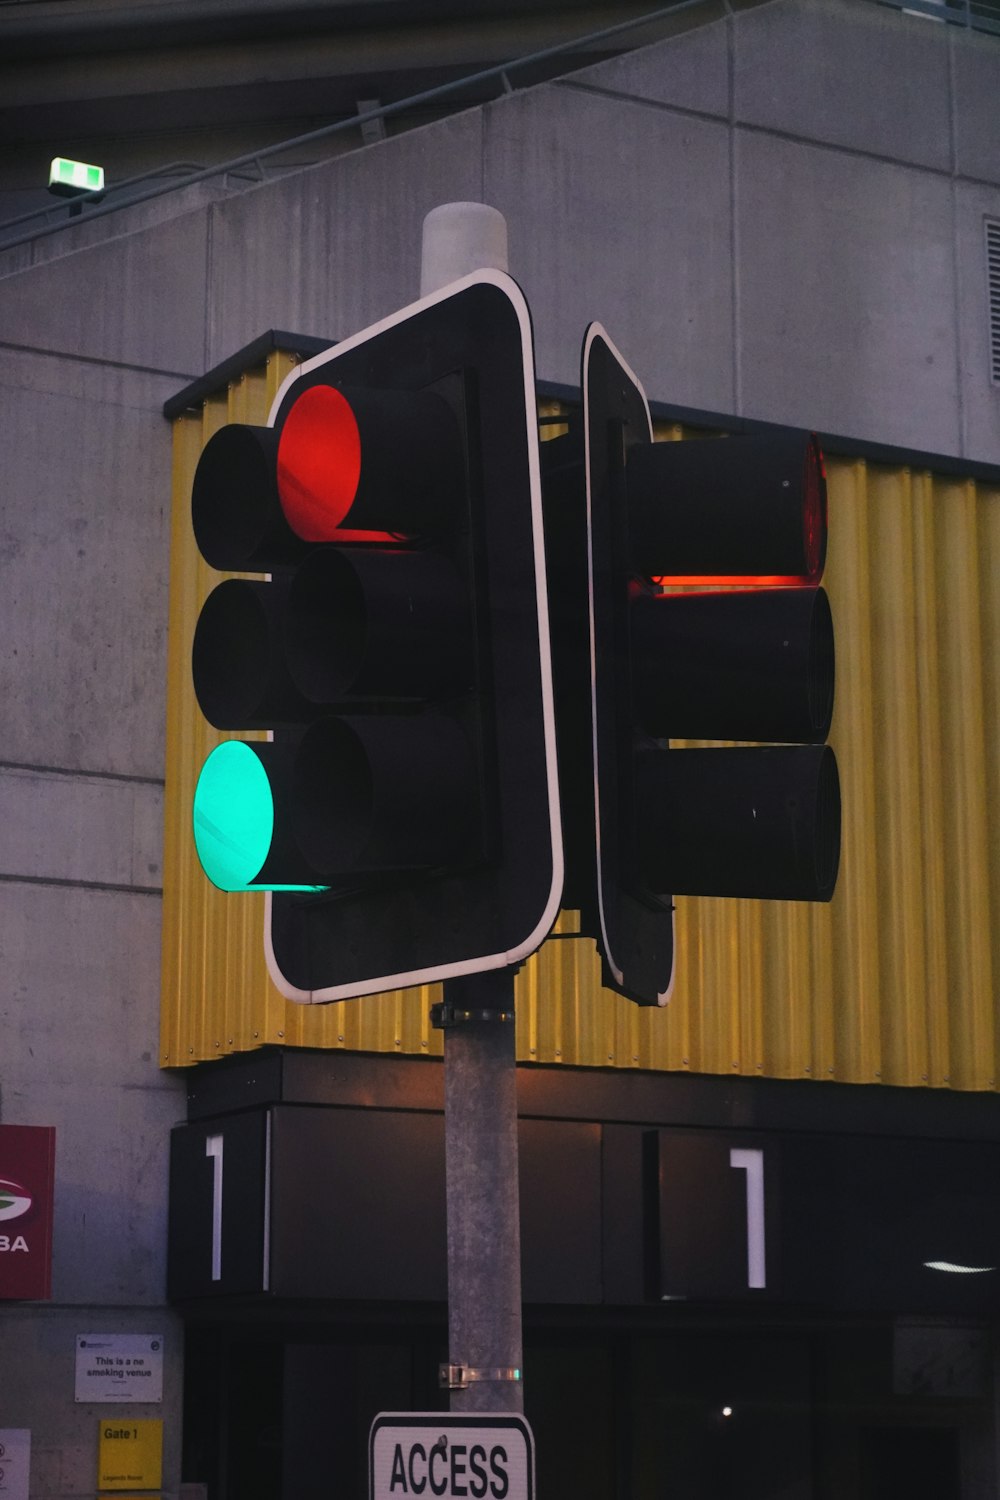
(483, 1371)
(484, 1226)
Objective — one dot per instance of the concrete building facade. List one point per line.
(780, 214)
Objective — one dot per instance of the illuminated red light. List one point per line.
(730, 580)
(319, 464)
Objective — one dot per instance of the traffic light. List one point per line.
(728, 664)
(402, 812)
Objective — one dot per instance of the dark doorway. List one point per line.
(921, 1463)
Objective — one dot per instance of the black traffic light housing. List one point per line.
(628, 520)
(394, 645)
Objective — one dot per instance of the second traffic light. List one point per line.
(750, 664)
(402, 812)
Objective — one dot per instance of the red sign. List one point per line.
(27, 1174)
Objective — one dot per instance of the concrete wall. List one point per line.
(778, 213)
(83, 535)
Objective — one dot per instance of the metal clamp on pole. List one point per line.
(447, 1014)
(460, 1377)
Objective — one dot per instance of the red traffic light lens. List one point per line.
(319, 463)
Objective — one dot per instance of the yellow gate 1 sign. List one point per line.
(130, 1455)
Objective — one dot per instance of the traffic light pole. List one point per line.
(484, 1231)
(483, 1372)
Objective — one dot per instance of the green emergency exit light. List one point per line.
(70, 178)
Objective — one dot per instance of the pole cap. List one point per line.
(459, 238)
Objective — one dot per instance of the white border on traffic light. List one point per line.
(533, 940)
(597, 331)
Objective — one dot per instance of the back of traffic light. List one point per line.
(402, 812)
(750, 664)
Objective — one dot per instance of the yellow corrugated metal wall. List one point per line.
(893, 982)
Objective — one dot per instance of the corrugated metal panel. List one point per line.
(893, 982)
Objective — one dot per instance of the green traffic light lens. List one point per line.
(233, 816)
(234, 820)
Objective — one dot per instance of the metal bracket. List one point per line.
(460, 1377)
(447, 1013)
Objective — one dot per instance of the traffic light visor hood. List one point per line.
(369, 464)
(749, 509)
(345, 465)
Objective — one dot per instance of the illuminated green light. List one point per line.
(234, 819)
(233, 816)
(80, 176)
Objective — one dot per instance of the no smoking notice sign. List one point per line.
(119, 1367)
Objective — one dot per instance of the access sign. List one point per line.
(451, 1457)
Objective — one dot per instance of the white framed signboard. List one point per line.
(451, 1456)
(119, 1367)
(15, 1462)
